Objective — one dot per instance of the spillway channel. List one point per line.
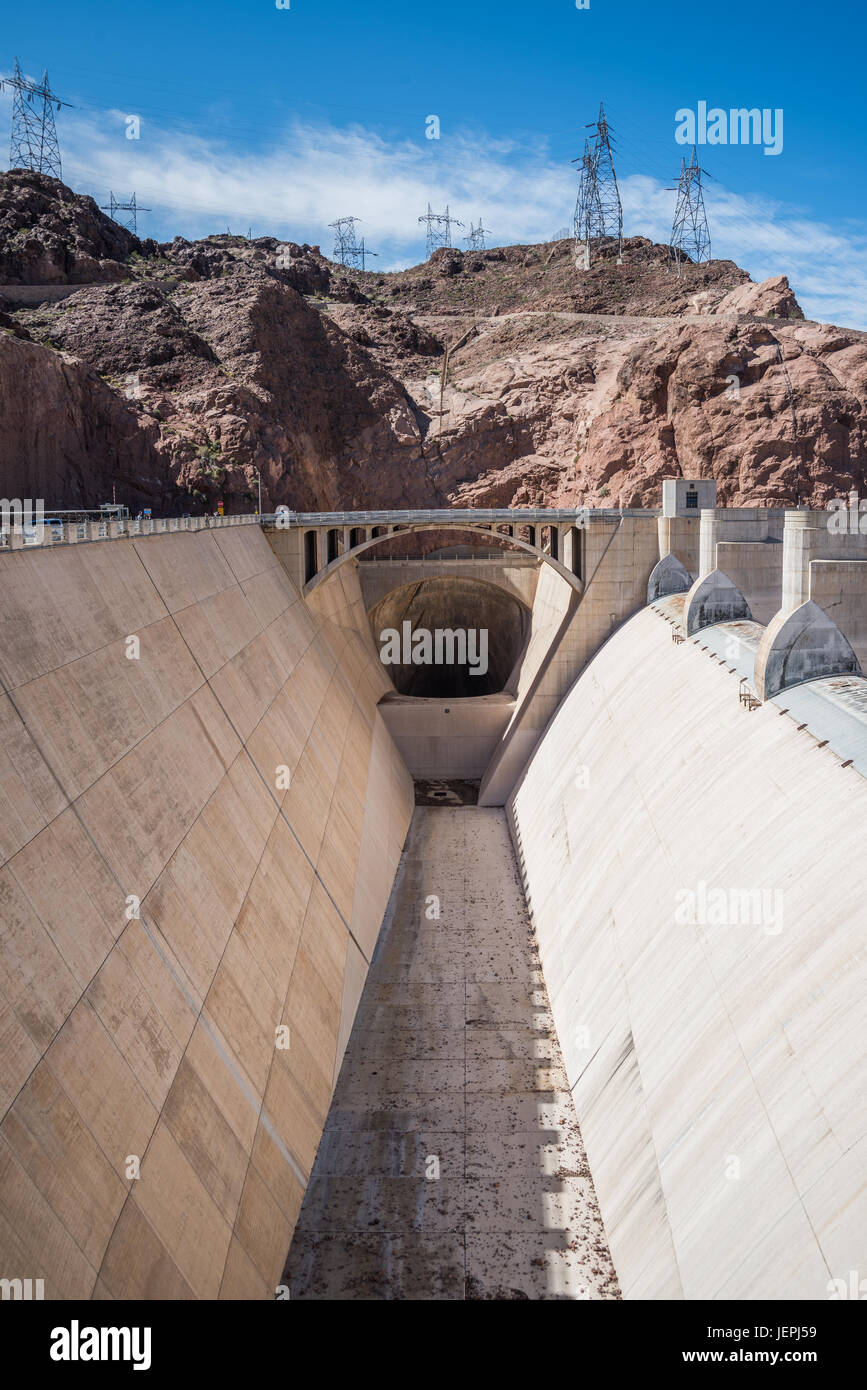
(451, 1165)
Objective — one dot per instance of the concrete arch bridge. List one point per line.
(551, 563)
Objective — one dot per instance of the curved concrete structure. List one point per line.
(802, 646)
(713, 599)
(620, 555)
(669, 577)
(707, 969)
(358, 551)
(202, 813)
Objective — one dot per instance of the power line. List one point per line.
(642, 158)
(739, 222)
(732, 220)
(722, 154)
(33, 144)
(344, 239)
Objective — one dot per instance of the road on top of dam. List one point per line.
(451, 1165)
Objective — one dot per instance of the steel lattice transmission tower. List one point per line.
(362, 251)
(609, 208)
(347, 250)
(344, 240)
(114, 206)
(439, 228)
(598, 211)
(690, 238)
(34, 142)
(476, 238)
(587, 212)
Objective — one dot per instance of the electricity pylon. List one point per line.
(344, 239)
(598, 211)
(362, 252)
(610, 210)
(587, 212)
(690, 237)
(476, 238)
(113, 206)
(34, 142)
(439, 228)
(347, 250)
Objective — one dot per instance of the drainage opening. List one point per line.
(457, 792)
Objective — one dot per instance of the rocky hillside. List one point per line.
(180, 371)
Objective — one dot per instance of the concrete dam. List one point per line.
(327, 978)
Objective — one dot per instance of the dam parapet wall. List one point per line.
(202, 815)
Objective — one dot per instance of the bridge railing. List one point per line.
(53, 532)
(513, 516)
(57, 532)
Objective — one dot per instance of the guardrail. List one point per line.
(76, 532)
(50, 533)
(450, 515)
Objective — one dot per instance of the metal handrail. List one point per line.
(450, 515)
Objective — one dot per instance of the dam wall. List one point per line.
(716, 1053)
(567, 628)
(202, 813)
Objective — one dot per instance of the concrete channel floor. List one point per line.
(451, 1165)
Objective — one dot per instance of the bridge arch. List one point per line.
(486, 532)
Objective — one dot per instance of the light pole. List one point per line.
(259, 476)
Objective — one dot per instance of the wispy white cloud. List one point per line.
(313, 174)
(197, 182)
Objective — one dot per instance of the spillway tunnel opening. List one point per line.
(453, 637)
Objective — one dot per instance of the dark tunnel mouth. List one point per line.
(438, 611)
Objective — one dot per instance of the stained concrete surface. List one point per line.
(453, 1068)
(437, 791)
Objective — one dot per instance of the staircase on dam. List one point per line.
(451, 1164)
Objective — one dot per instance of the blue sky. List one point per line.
(288, 118)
